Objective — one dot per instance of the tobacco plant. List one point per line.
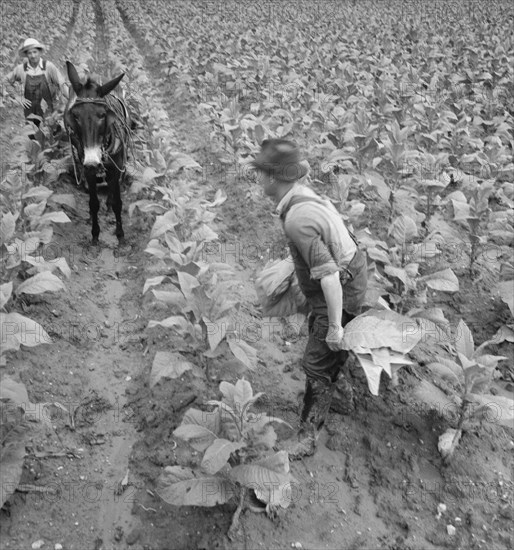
(235, 456)
(200, 295)
(202, 304)
(25, 225)
(472, 374)
(474, 214)
(14, 431)
(399, 263)
(396, 154)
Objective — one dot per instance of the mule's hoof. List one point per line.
(122, 241)
(94, 241)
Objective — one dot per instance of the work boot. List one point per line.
(316, 403)
(343, 400)
(302, 444)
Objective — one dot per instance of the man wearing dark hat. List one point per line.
(331, 271)
(40, 79)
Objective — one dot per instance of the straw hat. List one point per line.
(31, 43)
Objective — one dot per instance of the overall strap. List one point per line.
(26, 65)
(298, 199)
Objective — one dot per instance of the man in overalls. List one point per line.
(40, 79)
(332, 274)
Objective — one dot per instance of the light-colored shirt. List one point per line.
(37, 70)
(318, 238)
(297, 189)
(52, 74)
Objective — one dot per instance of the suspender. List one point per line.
(297, 199)
(26, 65)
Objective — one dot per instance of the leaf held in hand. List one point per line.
(378, 329)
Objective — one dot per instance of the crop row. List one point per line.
(392, 116)
(199, 294)
(29, 210)
(41, 19)
(362, 108)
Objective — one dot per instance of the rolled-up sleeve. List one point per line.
(14, 76)
(314, 252)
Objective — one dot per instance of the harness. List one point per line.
(120, 130)
(298, 199)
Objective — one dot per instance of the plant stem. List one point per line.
(205, 342)
(429, 210)
(207, 370)
(472, 257)
(391, 206)
(463, 411)
(235, 518)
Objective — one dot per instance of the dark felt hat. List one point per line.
(281, 159)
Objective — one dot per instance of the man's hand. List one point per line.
(334, 337)
(25, 103)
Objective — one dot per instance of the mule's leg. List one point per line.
(94, 203)
(113, 180)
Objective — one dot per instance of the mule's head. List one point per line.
(88, 115)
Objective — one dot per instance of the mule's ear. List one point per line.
(109, 86)
(73, 75)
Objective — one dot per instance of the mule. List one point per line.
(98, 126)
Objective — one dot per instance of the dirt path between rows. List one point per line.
(96, 350)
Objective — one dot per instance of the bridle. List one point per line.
(97, 100)
(103, 102)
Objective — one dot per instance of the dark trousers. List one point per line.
(319, 361)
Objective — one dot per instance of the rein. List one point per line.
(124, 161)
(73, 160)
